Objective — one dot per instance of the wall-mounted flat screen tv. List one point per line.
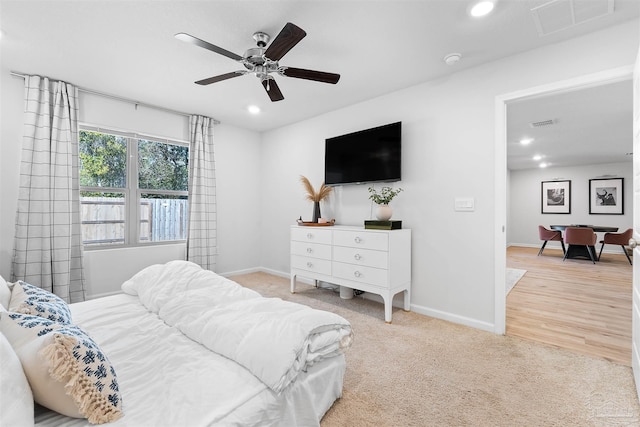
(371, 155)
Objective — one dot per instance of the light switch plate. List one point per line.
(465, 204)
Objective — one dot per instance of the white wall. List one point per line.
(238, 174)
(448, 152)
(525, 210)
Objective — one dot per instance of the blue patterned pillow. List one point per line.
(29, 299)
(66, 369)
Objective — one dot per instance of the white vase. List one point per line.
(384, 212)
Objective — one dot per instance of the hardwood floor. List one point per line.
(573, 304)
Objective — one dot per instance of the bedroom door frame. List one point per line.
(500, 184)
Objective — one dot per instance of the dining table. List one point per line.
(595, 228)
(574, 251)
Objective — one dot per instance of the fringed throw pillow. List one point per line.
(29, 299)
(67, 371)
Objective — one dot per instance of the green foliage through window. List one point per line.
(103, 160)
(162, 166)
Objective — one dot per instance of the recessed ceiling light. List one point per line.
(482, 8)
(526, 141)
(544, 165)
(537, 157)
(452, 58)
(253, 109)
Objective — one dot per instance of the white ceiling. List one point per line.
(128, 49)
(589, 126)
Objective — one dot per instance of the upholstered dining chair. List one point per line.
(621, 239)
(546, 235)
(580, 236)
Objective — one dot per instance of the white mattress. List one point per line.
(166, 379)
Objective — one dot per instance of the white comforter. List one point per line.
(274, 339)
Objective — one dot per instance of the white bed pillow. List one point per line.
(67, 371)
(29, 299)
(5, 293)
(16, 399)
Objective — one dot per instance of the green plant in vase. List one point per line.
(382, 199)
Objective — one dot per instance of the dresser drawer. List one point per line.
(360, 256)
(361, 273)
(313, 250)
(315, 265)
(360, 239)
(311, 234)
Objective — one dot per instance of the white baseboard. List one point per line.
(238, 272)
(398, 301)
(462, 320)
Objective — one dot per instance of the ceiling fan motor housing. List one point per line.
(254, 56)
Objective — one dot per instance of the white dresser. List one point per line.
(375, 261)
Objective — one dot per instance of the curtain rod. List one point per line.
(119, 98)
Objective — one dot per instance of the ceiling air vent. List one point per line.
(542, 123)
(558, 15)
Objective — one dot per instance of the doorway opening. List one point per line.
(501, 180)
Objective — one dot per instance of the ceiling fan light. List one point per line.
(253, 109)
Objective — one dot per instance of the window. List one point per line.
(133, 190)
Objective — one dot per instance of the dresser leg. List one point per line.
(407, 300)
(388, 303)
(293, 283)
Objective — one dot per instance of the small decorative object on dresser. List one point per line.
(382, 199)
(315, 196)
(382, 225)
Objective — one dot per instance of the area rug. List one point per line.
(513, 275)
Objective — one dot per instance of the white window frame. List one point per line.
(132, 210)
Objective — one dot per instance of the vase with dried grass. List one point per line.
(315, 196)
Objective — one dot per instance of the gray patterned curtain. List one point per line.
(202, 234)
(48, 244)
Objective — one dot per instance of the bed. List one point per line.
(187, 347)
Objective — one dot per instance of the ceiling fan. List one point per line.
(263, 61)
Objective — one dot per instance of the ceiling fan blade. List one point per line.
(196, 41)
(318, 76)
(272, 89)
(288, 37)
(220, 78)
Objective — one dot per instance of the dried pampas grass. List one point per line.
(312, 195)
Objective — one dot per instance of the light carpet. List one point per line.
(421, 371)
(512, 277)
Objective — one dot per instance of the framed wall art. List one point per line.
(606, 196)
(556, 197)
